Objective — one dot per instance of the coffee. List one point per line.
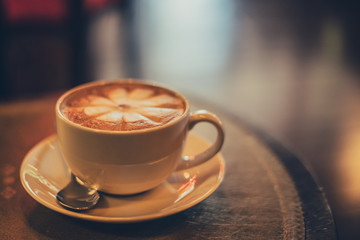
(121, 106)
(145, 131)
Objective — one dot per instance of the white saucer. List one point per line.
(43, 173)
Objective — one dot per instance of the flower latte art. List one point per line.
(122, 107)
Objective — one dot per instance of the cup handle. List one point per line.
(203, 116)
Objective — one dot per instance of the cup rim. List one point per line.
(121, 81)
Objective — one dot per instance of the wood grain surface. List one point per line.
(266, 193)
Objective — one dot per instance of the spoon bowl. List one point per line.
(77, 197)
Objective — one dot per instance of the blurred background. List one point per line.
(289, 68)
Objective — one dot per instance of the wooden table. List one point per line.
(266, 194)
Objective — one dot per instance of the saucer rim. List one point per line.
(108, 219)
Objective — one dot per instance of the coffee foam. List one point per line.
(122, 107)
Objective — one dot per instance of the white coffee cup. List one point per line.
(130, 162)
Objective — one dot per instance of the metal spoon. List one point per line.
(77, 197)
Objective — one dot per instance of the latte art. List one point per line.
(124, 107)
